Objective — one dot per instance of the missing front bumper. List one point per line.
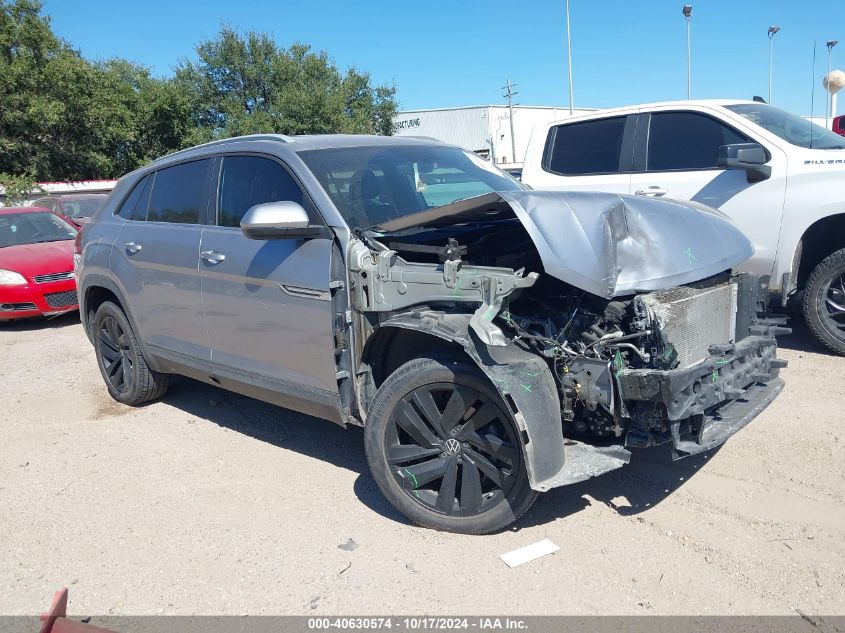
(700, 407)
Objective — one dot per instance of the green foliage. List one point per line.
(66, 118)
(244, 84)
(16, 189)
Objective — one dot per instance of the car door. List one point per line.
(156, 257)
(675, 157)
(268, 305)
(591, 155)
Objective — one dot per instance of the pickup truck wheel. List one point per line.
(124, 370)
(824, 302)
(444, 450)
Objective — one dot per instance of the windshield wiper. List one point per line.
(55, 239)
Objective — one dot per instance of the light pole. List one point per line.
(772, 31)
(569, 57)
(828, 110)
(687, 10)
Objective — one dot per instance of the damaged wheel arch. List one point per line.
(522, 379)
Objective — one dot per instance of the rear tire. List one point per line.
(125, 372)
(824, 302)
(444, 449)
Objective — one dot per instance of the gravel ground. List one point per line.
(211, 503)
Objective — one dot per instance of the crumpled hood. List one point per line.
(612, 245)
(607, 244)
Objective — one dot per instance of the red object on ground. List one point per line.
(36, 244)
(839, 125)
(55, 621)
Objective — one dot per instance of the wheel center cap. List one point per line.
(452, 446)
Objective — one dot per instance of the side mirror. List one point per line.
(279, 220)
(748, 156)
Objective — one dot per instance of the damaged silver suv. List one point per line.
(494, 342)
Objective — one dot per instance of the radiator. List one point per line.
(693, 319)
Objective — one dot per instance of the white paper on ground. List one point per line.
(529, 553)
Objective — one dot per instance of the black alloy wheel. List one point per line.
(834, 300)
(125, 371)
(115, 354)
(824, 302)
(445, 450)
(452, 449)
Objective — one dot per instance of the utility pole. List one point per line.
(828, 112)
(569, 58)
(687, 10)
(772, 32)
(510, 93)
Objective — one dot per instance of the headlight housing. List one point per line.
(11, 278)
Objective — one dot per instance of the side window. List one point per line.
(687, 140)
(178, 193)
(47, 203)
(590, 147)
(249, 180)
(134, 207)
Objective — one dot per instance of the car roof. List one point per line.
(660, 104)
(327, 141)
(79, 196)
(9, 210)
(303, 142)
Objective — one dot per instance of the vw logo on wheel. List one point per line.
(453, 446)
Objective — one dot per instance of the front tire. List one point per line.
(444, 449)
(125, 372)
(824, 302)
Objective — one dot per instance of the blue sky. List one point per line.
(443, 53)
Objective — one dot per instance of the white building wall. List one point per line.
(466, 127)
(482, 129)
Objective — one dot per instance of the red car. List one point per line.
(36, 264)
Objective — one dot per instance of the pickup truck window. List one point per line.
(590, 147)
(687, 140)
(371, 185)
(790, 127)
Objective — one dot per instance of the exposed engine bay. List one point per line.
(660, 365)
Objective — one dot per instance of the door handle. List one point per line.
(132, 248)
(652, 192)
(212, 257)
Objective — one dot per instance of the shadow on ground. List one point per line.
(286, 429)
(644, 483)
(40, 323)
(801, 339)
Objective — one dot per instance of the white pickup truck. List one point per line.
(780, 178)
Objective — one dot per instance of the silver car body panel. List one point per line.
(271, 299)
(609, 245)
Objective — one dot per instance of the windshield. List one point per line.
(790, 127)
(83, 207)
(371, 185)
(33, 228)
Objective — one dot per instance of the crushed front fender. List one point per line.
(527, 386)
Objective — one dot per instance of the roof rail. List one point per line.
(421, 138)
(223, 141)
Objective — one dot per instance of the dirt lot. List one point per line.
(207, 502)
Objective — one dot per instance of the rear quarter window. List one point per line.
(134, 206)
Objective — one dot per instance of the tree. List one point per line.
(63, 117)
(243, 84)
